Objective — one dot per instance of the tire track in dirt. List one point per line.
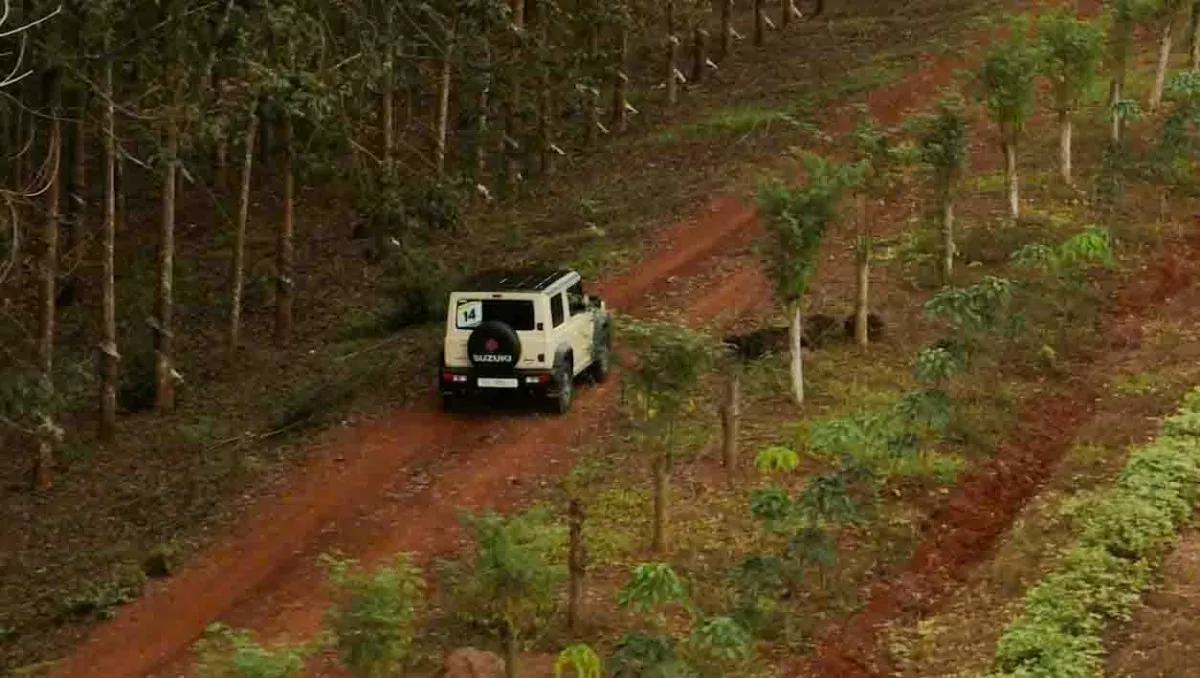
(265, 576)
(982, 507)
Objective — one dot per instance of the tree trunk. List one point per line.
(546, 131)
(863, 261)
(283, 248)
(78, 195)
(387, 115)
(221, 166)
(726, 28)
(109, 355)
(1064, 146)
(789, 10)
(237, 269)
(662, 491)
(672, 67)
(1160, 69)
(1194, 39)
(795, 335)
(1115, 123)
(512, 652)
(948, 249)
(1010, 177)
(48, 274)
(620, 116)
(576, 563)
(731, 418)
(760, 23)
(443, 111)
(699, 55)
(164, 392)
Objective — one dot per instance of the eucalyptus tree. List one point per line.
(1163, 15)
(1071, 52)
(942, 152)
(1007, 79)
(297, 94)
(796, 220)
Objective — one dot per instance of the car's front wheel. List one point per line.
(602, 361)
(566, 389)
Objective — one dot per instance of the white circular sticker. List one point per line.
(470, 314)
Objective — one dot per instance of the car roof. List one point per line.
(519, 280)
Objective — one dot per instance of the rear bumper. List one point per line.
(464, 382)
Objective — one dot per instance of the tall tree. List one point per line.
(48, 270)
(1163, 14)
(796, 219)
(296, 94)
(1007, 77)
(174, 83)
(1071, 51)
(942, 151)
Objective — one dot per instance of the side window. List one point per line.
(557, 312)
(575, 297)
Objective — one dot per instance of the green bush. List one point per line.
(375, 614)
(226, 652)
(1126, 531)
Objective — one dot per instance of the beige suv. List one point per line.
(528, 332)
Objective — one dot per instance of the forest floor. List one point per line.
(391, 472)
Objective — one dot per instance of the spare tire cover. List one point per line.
(494, 345)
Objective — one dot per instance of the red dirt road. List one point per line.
(395, 484)
(389, 486)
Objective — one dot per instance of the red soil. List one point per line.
(962, 533)
(395, 484)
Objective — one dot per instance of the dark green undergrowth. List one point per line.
(1126, 531)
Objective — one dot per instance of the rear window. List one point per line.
(517, 313)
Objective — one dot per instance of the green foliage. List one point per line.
(1173, 155)
(796, 219)
(717, 646)
(510, 581)
(776, 459)
(580, 659)
(639, 655)
(668, 361)
(1007, 76)
(1073, 257)
(225, 652)
(974, 309)
(936, 364)
(375, 614)
(884, 155)
(651, 587)
(757, 582)
(772, 506)
(942, 142)
(1125, 531)
(826, 498)
(1070, 52)
(27, 400)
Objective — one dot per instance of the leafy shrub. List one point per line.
(581, 659)
(1126, 529)
(375, 614)
(225, 652)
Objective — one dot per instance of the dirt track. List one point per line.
(395, 485)
(392, 485)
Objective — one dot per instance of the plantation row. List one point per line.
(421, 108)
(510, 586)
